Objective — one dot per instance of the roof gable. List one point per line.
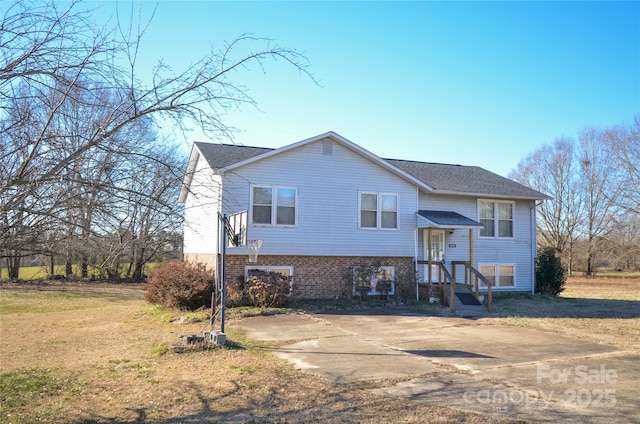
(430, 177)
(225, 157)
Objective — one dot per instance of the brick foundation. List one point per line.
(317, 277)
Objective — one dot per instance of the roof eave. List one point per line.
(275, 151)
(188, 176)
(432, 224)
(493, 195)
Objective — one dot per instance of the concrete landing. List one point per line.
(468, 311)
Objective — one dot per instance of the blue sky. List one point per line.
(473, 83)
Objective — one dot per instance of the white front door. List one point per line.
(437, 253)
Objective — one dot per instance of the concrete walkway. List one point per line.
(473, 365)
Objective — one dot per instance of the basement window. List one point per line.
(501, 275)
(380, 280)
(285, 270)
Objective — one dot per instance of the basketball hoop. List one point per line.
(253, 248)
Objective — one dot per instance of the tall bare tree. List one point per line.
(552, 170)
(44, 47)
(56, 65)
(601, 175)
(625, 145)
(595, 184)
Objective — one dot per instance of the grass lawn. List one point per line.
(29, 273)
(93, 352)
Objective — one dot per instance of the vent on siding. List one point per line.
(327, 147)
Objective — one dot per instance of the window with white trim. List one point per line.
(378, 210)
(285, 270)
(501, 275)
(379, 280)
(273, 205)
(497, 218)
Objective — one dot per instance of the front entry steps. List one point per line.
(466, 304)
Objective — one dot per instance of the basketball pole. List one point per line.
(223, 269)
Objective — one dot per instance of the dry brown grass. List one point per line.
(98, 353)
(604, 310)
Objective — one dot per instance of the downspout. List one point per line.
(415, 260)
(415, 244)
(534, 244)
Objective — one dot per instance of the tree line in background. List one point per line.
(86, 178)
(593, 218)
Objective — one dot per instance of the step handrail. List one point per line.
(478, 276)
(451, 299)
(444, 271)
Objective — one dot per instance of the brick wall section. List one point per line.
(317, 277)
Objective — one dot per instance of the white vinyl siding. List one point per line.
(518, 250)
(378, 211)
(201, 208)
(327, 203)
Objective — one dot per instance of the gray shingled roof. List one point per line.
(448, 218)
(221, 155)
(442, 177)
(465, 179)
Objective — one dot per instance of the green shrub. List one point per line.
(181, 285)
(268, 289)
(550, 275)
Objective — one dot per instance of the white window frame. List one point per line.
(496, 268)
(375, 292)
(274, 205)
(271, 268)
(379, 211)
(497, 220)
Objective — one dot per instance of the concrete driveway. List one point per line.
(473, 365)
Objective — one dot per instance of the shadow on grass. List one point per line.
(523, 305)
(351, 402)
(102, 290)
(543, 306)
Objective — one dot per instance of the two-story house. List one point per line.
(325, 205)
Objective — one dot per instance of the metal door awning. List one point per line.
(444, 219)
